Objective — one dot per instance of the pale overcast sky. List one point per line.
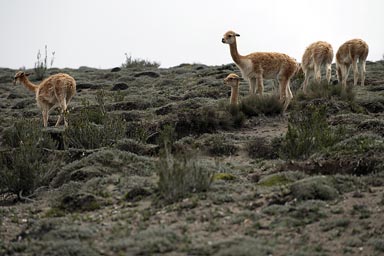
(97, 33)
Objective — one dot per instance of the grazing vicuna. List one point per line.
(353, 52)
(257, 66)
(233, 80)
(55, 91)
(317, 55)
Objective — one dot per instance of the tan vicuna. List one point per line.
(317, 55)
(353, 52)
(257, 66)
(233, 80)
(55, 91)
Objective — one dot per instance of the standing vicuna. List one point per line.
(351, 52)
(257, 66)
(316, 55)
(233, 80)
(55, 91)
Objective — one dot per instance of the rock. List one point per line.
(119, 87)
(85, 173)
(12, 96)
(373, 107)
(254, 177)
(80, 86)
(79, 202)
(116, 69)
(148, 73)
(136, 194)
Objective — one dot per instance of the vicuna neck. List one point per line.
(234, 95)
(234, 53)
(30, 86)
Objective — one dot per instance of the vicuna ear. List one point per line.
(28, 74)
(237, 35)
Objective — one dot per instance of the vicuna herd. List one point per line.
(58, 90)
(257, 66)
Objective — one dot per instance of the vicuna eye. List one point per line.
(229, 35)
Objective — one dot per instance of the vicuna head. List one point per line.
(229, 37)
(19, 76)
(233, 80)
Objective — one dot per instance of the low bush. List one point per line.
(41, 64)
(261, 148)
(256, 105)
(25, 162)
(84, 134)
(207, 119)
(316, 188)
(93, 127)
(327, 91)
(220, 146)
(181, 175)
(203, 120)
(308, 132)
(131, 62)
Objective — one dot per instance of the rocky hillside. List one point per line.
(156, 162)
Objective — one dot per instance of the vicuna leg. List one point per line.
(61, 98)
(63, 113)
(288, 96)
(355, 72)
(329, 73)
(343, 71)
(59, 119)
(317, 72)
(45, 117)
(283, 89)
(260, 85)
(307, 73)
(252, 86)
(363, 71)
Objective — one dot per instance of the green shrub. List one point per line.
(139, 131)
(359, 144)
(130, 62)
(41, 64)
(238, 117)
(224, 176)
(84, 134)
(378, 244)
(157, 240)
(275, 180)
(202, 120)
(94, 128)
(179, 176)
(340, 223)
(318, 187)
(308, 132)
(326, 91)
(256, 105)
(218, 145)
(261, 148)
(27, 132)
(207, 119)
(167, 137)
(25, 163)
